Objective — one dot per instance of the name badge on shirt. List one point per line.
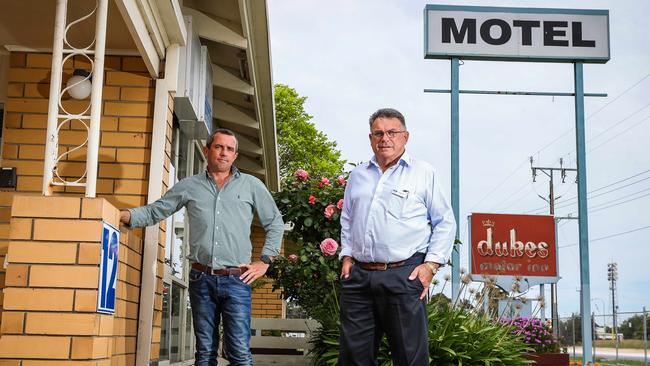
(402, 194)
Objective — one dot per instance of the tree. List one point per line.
(632, 328)
(300, 144)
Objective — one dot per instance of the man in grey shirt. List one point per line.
(220, 204)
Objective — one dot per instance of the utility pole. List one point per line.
(549, 171)
(612, 277)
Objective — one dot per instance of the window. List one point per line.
(177, 343)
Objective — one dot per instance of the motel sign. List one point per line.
(523, 34)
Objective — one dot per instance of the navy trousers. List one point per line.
(378, 302)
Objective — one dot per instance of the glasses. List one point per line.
(390, 133)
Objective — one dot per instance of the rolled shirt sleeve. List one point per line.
(172, 201)
(270, 218)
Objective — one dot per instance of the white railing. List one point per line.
(58, 116)
(280, 341)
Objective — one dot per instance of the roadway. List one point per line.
(610, 353)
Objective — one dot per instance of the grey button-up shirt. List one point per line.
(219, 219)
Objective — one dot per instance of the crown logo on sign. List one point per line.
(488, 223)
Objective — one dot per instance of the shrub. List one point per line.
(457, 336)
(310, 277)
(534, 333)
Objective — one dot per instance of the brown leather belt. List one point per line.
(375, 266)
(233, 271)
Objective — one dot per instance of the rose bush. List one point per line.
(309, 276)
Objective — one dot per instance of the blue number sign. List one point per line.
(108, 269)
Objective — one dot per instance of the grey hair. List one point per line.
(387, 113)
(223, 131)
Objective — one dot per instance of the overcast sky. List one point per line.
(352, 57)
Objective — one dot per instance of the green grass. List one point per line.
(626, 343)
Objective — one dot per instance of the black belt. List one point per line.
(232, 271)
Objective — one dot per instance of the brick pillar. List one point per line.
(266, 302)
(51, 283)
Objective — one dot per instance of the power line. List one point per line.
(562, 135)
(619, 181)
(612, 126)
(512, 197)
(597, 111)
(617, 135)
(607, 237)
(499, 185)
(622, 202)
(606, 192)
(620, 95)
(599, 208)
(617, 123)
(599, 189)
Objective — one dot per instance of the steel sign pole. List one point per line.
(585, 293)
(455, 174)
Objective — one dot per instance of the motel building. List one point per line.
(104, 105)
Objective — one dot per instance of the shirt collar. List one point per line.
(233, 170)
(404, 159)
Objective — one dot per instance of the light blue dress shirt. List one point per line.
(387, 217)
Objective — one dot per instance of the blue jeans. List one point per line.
(220, 297)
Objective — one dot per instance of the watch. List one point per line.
(266, 259)
(432, 267)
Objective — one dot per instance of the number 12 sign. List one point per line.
(108, 269)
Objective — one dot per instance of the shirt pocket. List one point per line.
(396, 202)
(244, 202)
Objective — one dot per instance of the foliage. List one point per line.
(456, 337)
(632, 328)
(534, 333)
(302, 203)
(300, 144)
(309, 278)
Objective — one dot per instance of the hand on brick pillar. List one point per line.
(125, 217)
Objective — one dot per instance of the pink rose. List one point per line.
(329, 246)
(312, 199)
(341, 180)
(323, 182)
(329, 211)
(293, 257)
(339, 204)
(301, 174)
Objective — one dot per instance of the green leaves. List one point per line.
(300, 144)
(469, 339)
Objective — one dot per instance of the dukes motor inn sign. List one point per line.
(514, 245)
(516, 34)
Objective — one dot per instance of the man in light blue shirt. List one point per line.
(397, 228)
(220, 203)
